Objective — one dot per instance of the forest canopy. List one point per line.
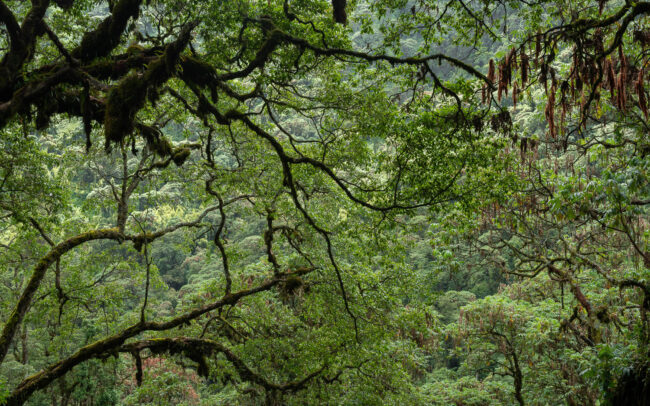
(324, 202)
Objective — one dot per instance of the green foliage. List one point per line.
(294, 211)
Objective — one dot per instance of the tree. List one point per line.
(297, 145)
(578, 218)
(249, 102)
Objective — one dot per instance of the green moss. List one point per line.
(290, 285)
(196, 71)
(135, 49)
(106, 36)
(180, 155)
(128, 97)
(124, 101)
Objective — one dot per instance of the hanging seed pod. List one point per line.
(511, 60)
(622, 93)
(643, 103)
(598, 41)
(611, 77)
(538, 47)
(583, 113)
(525, 66)
(483, 94)
(504, 73)
(623, 90)
(553, 78)
(512, 64)
(623, 60)
(623, 75)
(491, 71)
(502, 83)
(618, 92)
(543, 70)
(514, 95)
(564, 100)
(550, 112)
(512, 54)
(562, 118)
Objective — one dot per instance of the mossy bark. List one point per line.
(112, 344)
(131, 93)
(17, 315)
(106, 37)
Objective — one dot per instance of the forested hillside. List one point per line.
(306, 202)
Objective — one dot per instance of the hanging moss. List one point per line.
(195, 353)
(180, 155)
(127, 98)
(45, 109)
(130, 94)
(156, 141)
(124, 101)
(106, 37)
(291, 285)
(196, 71)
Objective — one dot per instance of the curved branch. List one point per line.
(111, 344)
(196, 348)
(17, 315)
(107, 35)
(22, 45)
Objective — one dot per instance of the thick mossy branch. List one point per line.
(116, 67)
(106, 37)
(156, 141)
(115, 234)
(164, 148)
(197, 71)
(17, 315)
(64, 4)
(110, 345)
(35, 92)
(131, 93)
(11, 24)
(197, 349)
(180, 155)
(124, 101)
(22, 45)
(273, 41)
